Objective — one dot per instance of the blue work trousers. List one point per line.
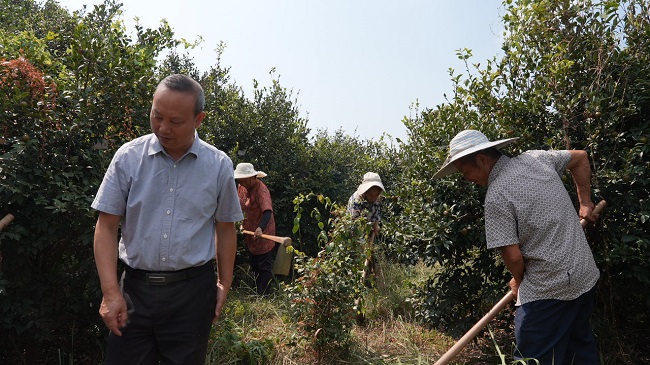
(557, 332)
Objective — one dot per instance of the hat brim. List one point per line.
(258, 174)
(448, 167)
(365, 187)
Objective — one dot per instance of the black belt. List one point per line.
(168, 277)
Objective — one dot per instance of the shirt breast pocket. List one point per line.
(196, 203)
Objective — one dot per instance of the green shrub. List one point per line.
(71, 90)
(323, 296)
(227, 346)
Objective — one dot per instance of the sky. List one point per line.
(356, 65)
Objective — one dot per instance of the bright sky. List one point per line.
(359, 65)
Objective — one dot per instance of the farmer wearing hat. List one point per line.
(367, 198)
(530, 217)
(366, 201)
(255, 201)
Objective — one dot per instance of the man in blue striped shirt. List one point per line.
(174, 197)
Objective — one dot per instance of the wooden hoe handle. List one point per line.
(5, 221)
(285, 241)
(458, 346)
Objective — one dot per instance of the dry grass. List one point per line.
(398, 342)
(378, 341)
(389, 335)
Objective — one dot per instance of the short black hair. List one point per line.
(491, 152)
(184, 83)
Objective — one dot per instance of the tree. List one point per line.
(71, 89)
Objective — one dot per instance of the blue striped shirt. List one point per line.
(169, 208)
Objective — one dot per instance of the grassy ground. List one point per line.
(259, 330)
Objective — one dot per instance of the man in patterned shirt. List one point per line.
(529, 216)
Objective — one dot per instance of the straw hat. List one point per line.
(370, 179)
(465, 143)
(245, 169)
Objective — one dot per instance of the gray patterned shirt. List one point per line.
(527, 204)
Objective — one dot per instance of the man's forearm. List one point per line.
(105, 252)
(581, 172)
(514, 261)
(266, 217)
(226, 252)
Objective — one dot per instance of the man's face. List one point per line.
(372, 194)
(477, 172)
(173, 121)
(247, 182)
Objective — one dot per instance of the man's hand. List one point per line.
(514, 286)
(587, 212)
(114, 313)
(113, 309)
(581, 172)
(258, 232)
(222, 293)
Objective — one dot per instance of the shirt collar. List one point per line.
(155, 146)
(497, 168)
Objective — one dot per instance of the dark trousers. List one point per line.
(557, 331)
(170, 323)
(262, 266)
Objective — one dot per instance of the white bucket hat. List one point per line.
(370, 179)
(245, 169)
(465, 143)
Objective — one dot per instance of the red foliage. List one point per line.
(25, 100)
(22, 75)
